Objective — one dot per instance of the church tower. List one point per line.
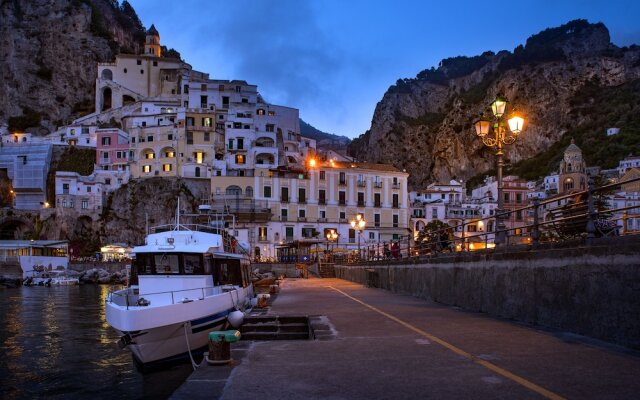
(152, 42)
(573, 170)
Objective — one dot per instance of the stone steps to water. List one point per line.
(275, 328)
(327, 270)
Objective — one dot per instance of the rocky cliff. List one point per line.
(424, 124)
(49, 50)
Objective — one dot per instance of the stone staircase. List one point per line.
(273, 327)
(327, 270)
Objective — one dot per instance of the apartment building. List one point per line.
(276, 206)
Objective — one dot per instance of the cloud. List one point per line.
(280, 46)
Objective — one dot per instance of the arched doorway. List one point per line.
(234, 190)
(197, 172)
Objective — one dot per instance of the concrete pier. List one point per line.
(375, 344)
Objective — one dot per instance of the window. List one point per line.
(203, 101)
(266, 191)
(207, 137)
(308, 232)
(155, 63)
(230, 144)
(149, 156)
(284, 194)
(141, 72)
(302, 195)
(352, 235)
(270, 127)
(395, 201)
(434, 213)
(343, 215)
(322, 175)
(186, 89)
(376, 200)
(146, 168)
(106, 141)
(284, 214)
(199, 156)
(289, 233)
(372, 236)
(65, 188)
(342, 198)
(240, 159)
(225, 101)
(238, 89)
(85, 204)
(272, 113)
(302, 213)
(321, 196)
(105, 155)
(376, 220)
(150, 138)
(322, 214)
(260, 111)
(240, 143)
(206, 121)
(170, 154)
(139, 62)
(262, 233)
(189, 137)
(360, 199)
(518, 198)
(88, 189)
(119, 154)
(506, 197)
(343, 178)
(395, 221)
(166, 167)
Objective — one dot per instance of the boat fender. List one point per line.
(143, 302)
(235, 318)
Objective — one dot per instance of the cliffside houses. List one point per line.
(157, 117)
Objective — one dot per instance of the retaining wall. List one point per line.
(592, 291)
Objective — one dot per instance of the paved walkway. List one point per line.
(390, 346)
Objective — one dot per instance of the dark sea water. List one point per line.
(56, 343)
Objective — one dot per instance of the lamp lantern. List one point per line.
(482, 125)
(516, 124)
(498, 106)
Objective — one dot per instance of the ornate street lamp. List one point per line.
(495, 133)
(358, 223)
(332, 237)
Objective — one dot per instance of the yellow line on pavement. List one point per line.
(501, 371)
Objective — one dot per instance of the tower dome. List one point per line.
(152, 42)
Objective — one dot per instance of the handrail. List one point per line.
(113, 292)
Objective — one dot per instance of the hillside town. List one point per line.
(156, 117)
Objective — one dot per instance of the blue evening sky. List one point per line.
(334, 59)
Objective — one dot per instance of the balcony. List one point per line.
(342, 202)
(395, 185)
(362, 183)
(342, 220)
(342, 182)
(377, 184)
(284, 199)
(360, 203)
(395, 205)
(283, 218)
(263, 239)
(302, 201)
(322, 201)
(302, 219)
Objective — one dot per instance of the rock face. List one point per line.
(425, 124)
(49, 50)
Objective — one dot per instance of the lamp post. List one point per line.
(358, 223)
(494, 133)
(332, 237)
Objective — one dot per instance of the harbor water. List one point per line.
(55, 343)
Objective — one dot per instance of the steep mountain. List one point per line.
(324, 140)
(424, 124)
(48, 55)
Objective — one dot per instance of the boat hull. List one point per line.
(165, 332)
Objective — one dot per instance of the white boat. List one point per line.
(184, 283)
(51, 278)
(25, 259)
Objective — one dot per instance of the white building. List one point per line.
(86, 194)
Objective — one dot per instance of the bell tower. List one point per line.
(152, 42)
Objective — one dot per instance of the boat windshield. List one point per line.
(171, 263)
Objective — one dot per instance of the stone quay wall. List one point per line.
(588, 290)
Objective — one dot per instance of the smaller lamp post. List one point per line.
(358, 223)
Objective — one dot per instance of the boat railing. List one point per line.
(131, 297)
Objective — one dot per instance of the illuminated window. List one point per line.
(199, 156)
(149, 156)
(146, 168)
(206, 121)
(260, 111)
(166, 167)
(272, 113)
(170, 154)
(240, 159)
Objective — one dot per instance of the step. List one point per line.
(275, 336)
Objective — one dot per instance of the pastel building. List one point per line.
(112, 149)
